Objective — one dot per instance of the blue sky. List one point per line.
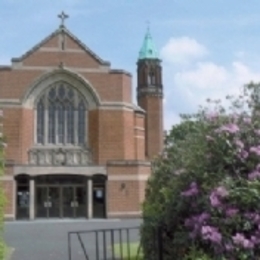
(209, 48)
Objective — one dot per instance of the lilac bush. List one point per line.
(207, 191)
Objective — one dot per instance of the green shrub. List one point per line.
(204, 196)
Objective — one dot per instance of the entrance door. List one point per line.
(48, 202)
(61, 201)
(41, 202)
(54, 202)
(68, 202)
(74, 202)
(99, 210)
(80, 202)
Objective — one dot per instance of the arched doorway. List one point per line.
(22, 196)
(99, 195)
(61, 196)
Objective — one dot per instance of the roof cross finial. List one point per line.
(63, 17)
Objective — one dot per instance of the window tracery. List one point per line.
(61, 116)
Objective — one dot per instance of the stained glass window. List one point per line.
(65, 119)
(51, 123)
(81, 123)
(70, 124)
(40, 120)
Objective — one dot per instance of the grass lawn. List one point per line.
(8, 253)
(133, 249)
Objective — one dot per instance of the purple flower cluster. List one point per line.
(255, 149)
(212, 116)
(240, 240)
(196, 222)
(243, 154)
(228, 128)
(253, 217)
(239, 144)
(253, 175)
(216, 196)
(230, 212)
(247, 120)
(192, 191)
(212, 234)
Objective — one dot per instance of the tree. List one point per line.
(205, 193)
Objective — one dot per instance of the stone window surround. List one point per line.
(46, 107)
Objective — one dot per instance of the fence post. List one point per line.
(160, 242)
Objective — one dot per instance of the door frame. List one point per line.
(61, 199)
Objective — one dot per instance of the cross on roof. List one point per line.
(63, 17)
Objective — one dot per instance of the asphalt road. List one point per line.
(44, 239)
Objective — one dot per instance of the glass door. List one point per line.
(99, 202)
(54, 202)
(68, 202)
(80, 202)
(41, 202)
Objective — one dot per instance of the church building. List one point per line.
(78, 146)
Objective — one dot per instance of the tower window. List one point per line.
(151, 78)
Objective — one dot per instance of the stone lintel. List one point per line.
(48, 170)
(128, 163)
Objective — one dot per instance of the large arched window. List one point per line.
(61, 116)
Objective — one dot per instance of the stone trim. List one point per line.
(56, 32)
(53, 49)
(101, 69)
(5, 102)
(124, 213)
(139, 111)
(6, 178)
(139, 128)
(128, 177)
(117, 106)
(9, 216)
(72, 78)
(5, 67)
(119, 71)
(139, 136)
(48, 170)
(128, 163)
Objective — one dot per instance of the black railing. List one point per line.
(105, 244)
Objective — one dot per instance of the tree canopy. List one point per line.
(205, 192)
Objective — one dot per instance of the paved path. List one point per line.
(44, 239)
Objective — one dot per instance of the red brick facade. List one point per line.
(115, 127)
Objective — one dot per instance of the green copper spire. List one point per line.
(148, 50)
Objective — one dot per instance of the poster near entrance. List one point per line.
(99, 200)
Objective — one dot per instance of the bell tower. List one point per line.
(150, 95)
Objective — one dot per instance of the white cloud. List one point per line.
(209, 80)
(189, 87)
(182, 50)
(205, 75)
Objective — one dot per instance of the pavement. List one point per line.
(48, 239)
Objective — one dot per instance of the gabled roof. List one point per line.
(62, 29)
(148, 50)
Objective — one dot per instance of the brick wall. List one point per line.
(116, 135)
(139, 136)
(26, 133)
(8, 191)
(125, 187)
(154, 124)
